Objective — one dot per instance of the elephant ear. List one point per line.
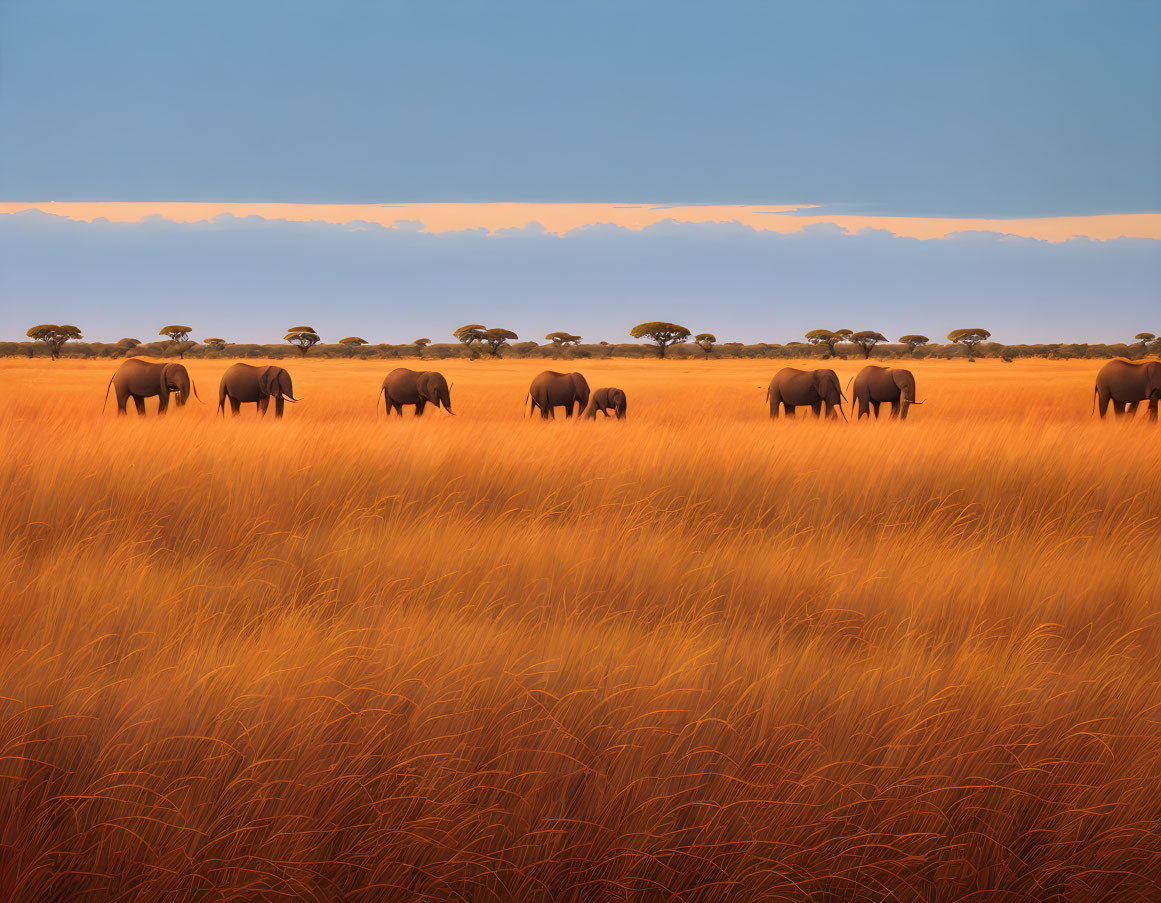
(268, 381)
(164, 376)
(821, 382)
(903, 378)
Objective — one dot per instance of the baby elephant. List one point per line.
(402, 386)
(603, 399)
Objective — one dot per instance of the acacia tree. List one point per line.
(969, 338)
(498, 338)
(866, 340)
(706, 340)
(214, 344)
(178, 338)
(823, 337)
(471, 335)
(662, 334)
(563, 339)
(351, 343)
(420, 344)
(54, 337)
(913, 341)
(303, 337)
(1146, 339)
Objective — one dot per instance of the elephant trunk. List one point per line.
(445, 399)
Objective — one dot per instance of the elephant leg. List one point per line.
(263, 404)
(816, 407)
(1118, 409)
(788, 408)
(398, 406)
(1132, 408)
(279, 405)
(875, 405)
(568, 409)
(162, 404)
(139, 403)
(235, 406)
(419, 406)
(1103, 403)
(894, 409)
(122, 400)
(1153, 410)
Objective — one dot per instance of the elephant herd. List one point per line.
(1120, 383)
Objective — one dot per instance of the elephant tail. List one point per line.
(107, 388)
(527, 408)
(1095, 391)
(849, 381)
(382, 391)
(195, 390)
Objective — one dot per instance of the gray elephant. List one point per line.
(139, 380)
(551, 390)
(605, 398)
(243, 383)
(1126, 384)
(402, 386)
(876, 385)
(813, 388)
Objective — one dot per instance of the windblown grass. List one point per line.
(695, 656)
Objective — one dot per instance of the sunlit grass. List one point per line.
(697, 655)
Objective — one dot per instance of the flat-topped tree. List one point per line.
(1146, 339)
(661, 334)
(563, 339)
(352, 342)
(54, 336)
(302, 337)
(912, 342)
(706, 340)
(969, 338)
(178, 337)
(866, 340)
(471, 335)
(823, 337)
(497, 338)
(420, 344)
(215, 343)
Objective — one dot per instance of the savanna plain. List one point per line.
(695, 656)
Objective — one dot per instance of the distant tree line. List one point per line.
(476, 340)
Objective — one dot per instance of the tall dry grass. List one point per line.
(695, 656)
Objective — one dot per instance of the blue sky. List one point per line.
(952, 109)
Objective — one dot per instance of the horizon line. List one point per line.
(560, 218)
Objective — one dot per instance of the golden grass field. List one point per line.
(696, 656)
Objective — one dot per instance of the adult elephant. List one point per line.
(816, 389)
(418, 387)
(607, 398)
(243, 383)
(1125, 384)
(551, 390)
(876, 385)
(138, 379)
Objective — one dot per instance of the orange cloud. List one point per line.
(560, 218)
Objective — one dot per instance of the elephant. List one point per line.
(402, 386)
(605, 398)
(138, 379)
(876, 385)
(551, 390)
(243, 383)
(816, 388)
(1128, 383)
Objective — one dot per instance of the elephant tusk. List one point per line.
(291, 400)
